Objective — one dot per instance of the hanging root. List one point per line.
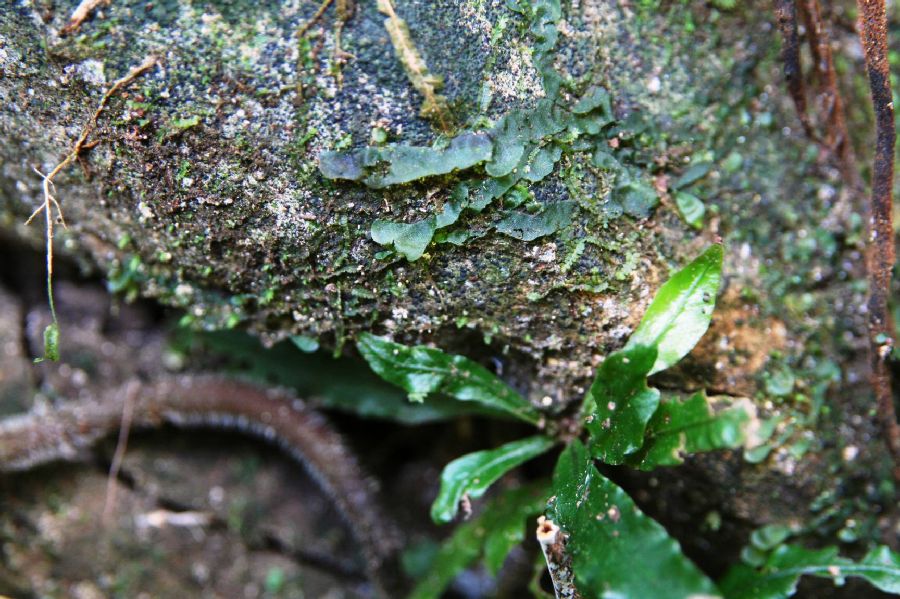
(29, 440)
(829, 116)
(51, 333)
(786, 18)
(880, 250)
(836, 140)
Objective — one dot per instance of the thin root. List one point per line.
(80, 14)
(50, 202)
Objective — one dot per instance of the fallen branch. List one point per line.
(30, 440)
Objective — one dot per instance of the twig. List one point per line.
(29, 440)
(832, 120)
(880, 250)
(559, 563)
(51, 202)
(301, 31)
(121, 445)
(82, 12)
(435, 106)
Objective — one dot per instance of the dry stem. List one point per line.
(786, 19)
(836, 139)
(345, 10)
(130, 392)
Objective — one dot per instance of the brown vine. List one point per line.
(880, 250)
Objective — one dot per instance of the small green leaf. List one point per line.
(495, 532)
(186, 123)
(518, 130)
(509, 145)
(681, 311)
(473, 473)
(51, 343)
(779, 575)
(507, 528)
(604, 159)
(637, 198)
(691, 208)
(455, 554)
(343, 384)
(423, 370)
(411, 240)
(679, 428)
(616, 550)
(780, 382)
(620, 404)
(541, 163)
(769, 537)
(692, 175)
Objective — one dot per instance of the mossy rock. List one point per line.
(204, 189)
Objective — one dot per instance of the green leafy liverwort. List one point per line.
(523, 146)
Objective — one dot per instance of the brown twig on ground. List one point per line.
(49, 200)
(301, 31)
(880, 246)
(829, 104)
(80, 14)
(29, 440)
(559, 563)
